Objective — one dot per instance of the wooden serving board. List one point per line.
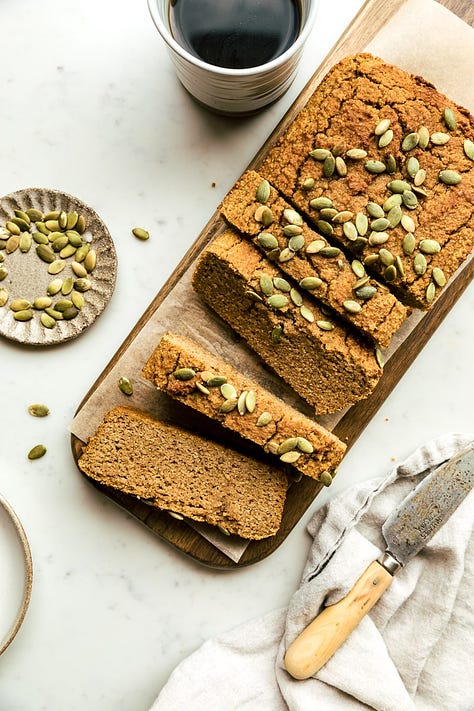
(365, 26)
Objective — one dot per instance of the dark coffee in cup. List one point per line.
(236, 34)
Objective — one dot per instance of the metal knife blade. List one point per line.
(408, 528)
(419, 516)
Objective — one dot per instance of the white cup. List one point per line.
(234, 91)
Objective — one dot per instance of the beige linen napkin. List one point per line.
(413, 652)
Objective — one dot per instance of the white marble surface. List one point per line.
(89, 104)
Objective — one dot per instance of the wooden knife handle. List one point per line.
(318, 642)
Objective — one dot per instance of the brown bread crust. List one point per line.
(176, 470)
(329, 369)
(342, 114)
(175, 352)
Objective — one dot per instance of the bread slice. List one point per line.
(325, 275)
(194, 376)
(178, 471)
(322, 360)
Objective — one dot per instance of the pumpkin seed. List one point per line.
(78, 269)
(72, 219)
(45, 253)
(409, 199)
(252, 295)
(450, 119)
(399, 265)
(78, 300)
(264, 419)
(325, 227)
(38, 410)
(371, 259)
(125, 385)
(276, 334)
(392, 202)
(375, 210)
(315, 246)
(202, 388)
(450, 177)
(24, 225)
(304, 445)
(228, 391)
(356, 153)
(423, 137)
(413, 166)
(53, 215)
(140, 233)
(56, 267)
(25, 242)
(296, 297)
(12, 228)
(4, 295)
(311, 282)
(20, 305)
(290, 457)
(390, 273)
(358, 268)
(263, 191)
(296, 243)
(82, 285)
(251, 401)
(74, 238)
(351, 306)
(429, 246)
(288, 445)
(469, 148)
(410, 141)
(24, 315)
(307, 314)
(40, 238)
(215, 381)
(277, 301)
(184, 374)
(439, 277)
(285, 255)
(379, 357)
(81, 224)
(42, 302)
(320, 202)
(325, 478)
(398, 186)
(320, 153)
(267, 240)
(62, 305)
(409, 244)
(241, 407)
(329, 166)
(439, 138)
(338, 149)
(53, 313)
(386, 138)
(308, 184)
(228, 405)
(391, 164)
(394, 216)
(382, 126)
(54, 287)
(60, 243)
(341, 167)
(342, 217)
(325, 325)
(34, 214)
(375, 166)
(281, 284)
(408, 223)
(419, 178)
(47, 320)
(365, 292)
(52, 225)
(292, 217)
(420, 264)
(430, 292)
(350, 231)
(37, 452)
(377, 238)
(3, 273)
(330, 252)
(12, 244)
(67, 286)
(266, 285)
(380, 224)
(361, 223)
(386, 257)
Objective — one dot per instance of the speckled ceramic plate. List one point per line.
(28, 276)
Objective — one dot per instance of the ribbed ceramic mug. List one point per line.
(234, 91)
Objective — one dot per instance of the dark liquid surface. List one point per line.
(236, 34)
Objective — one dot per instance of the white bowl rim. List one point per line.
(226, 71)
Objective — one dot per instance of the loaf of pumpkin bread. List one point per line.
(322, 360)
(178, 471)
(194, 376)
(255, 209)
(382, 151)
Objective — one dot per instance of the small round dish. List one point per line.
(13, 536)
(24, 276)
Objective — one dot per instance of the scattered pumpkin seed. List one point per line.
(277, 301)
(34, 214)
(315, 246)
(308, 184)
(72, 219)
(264, 419)
(202, 388)
(264, 215)
(304, 445)
(410, 141)
(62, 305)
(356, 153)
(125, 385)
(375, 166)
(365, 292)
(215, 381)
(79, 269)
(54, 287)
(379, 357)
(3, 273)
(386, 257)
(311, 282)
(140, 233)
(81, 224)
(52, 215)
(419, 178)
(292, 217)
(325, 478)
(320, 202)
(57, 315)
(409, 199)
(25, 242)
(40, 238)
(42, 302)
(390, 273)
(296, 297)
(241, 407)
(377, 238)
(371, 259)
(450, 177)
(38, 410)
(439, 277)
(228, 405)
(74, 238)
(228, 391)
(45, 253)
(175, 515)
(351, 306)
(12, 228)
(429, 246)
(325, 227)
(285, 255)
(408, 223)
(413, 166)
(393, 201)
(57, 266)
(252, 295)
(184, 374)
(469, 148)
(380, 224)
(288, 445)
(450, 119)
(290, 457)
(263, 191)
(37, 452)
(267, 240)
(325, 325)
(420, 264)
(386, 138)
(266, 285)
(4, 295)
(350, 231)
(338, 149)
(391, 164)
(47, 320)
(382, 126)
(439, 139)
(330, 252)
(399, 265)
(409, 244)
(361, 223)
(423, 137)
(67, 286)
(21, 223)
(320, 153)
(398, 186)
(24, 315)
(430, 292)
(20, 305)
(281, 284)
(394, 216)
(52, 225)
(296, 243)
(276, 334)
(341, 167)
(307, 314)
(329, 166)
(251, 401)
(82, 284)
(12, 244)
(375, 211)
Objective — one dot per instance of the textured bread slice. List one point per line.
(303, 254)
(194, 376)
(369, 133)
(326, 364)
(178, 471)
